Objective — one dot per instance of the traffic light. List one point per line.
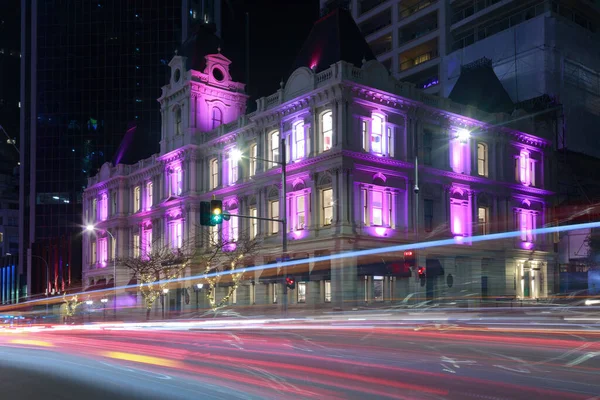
(422, 275)
(290, 282)
(216, 212)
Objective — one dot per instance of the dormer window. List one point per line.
(217, 117)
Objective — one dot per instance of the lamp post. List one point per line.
(236, 155)
(91, 228)
(104, 301)
(47, 279)
(197, 289)
(165, 292)
(89, 306)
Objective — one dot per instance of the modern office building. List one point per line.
(352, 133)
(537, 47)
(90, 75)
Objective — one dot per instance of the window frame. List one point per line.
(252, 159)
(484, 228)
(232, 168)
(149, 195)
(382, 132)
(301, 293)
(300, 199)
(299, 136)
(327, 133)
(137, 198)
(217, 117)
(214, 173)
(325, 207)
(274, 205)
(136, 245)
(327, 291)
(482, 162)
(253, 223)
(275, 151)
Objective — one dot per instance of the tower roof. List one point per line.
(202, 42)
(333, 38)
(479, 86)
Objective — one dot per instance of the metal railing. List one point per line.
(410, 10)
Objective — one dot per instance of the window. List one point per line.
(377, 134)
(427, 146)
(428, 215)
(253, 156)
(377, 208)
(300, 212)
(299, 141)
(274, 292)
(390, 140)
(365, 134)
(103, 251)
(327, 291)
(327, 204)
(178, 121)
(113, 248)
(113, 203)
(525, 169)
(232, 167)
(1, 237)
(274, 149)
(149, 189)
(378, 288)
(177, 234)
(274, 215)
(327, 127)
(214, 173)
(147, 243)
(253, 223)
(137, 198)
(482, 159)
(176, 181)
(483, 219)
(103, 207)
(93, 254)
(136, 245)
(301, 292)
(527, 225)
(390, 217)
(233, 229)
(217, 117)
(365, 207)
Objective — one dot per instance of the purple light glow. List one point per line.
(527, 245)
(380, 231)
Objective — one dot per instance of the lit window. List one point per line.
(253, 156)
(460, 153)
(300, 212)
(113, 248)
(365, 135)
(234, 296)
(177, 234)
(176, 182)
(274, 215)
(178, 121)
(483, 219)
(327, 291)
(274, 149)
(377, 209)
(365, 207)
(93, 254)
(217, 117)
(378, 288)
(136, 199)
(274, 292)
(525, 169)
(214, 173)
(327, 126)
(527, 225)
(390, 217)
(103, 251)
(149, 189)
(233, 229)
(1, 235)
(327, 204)
(232, 166)
(253, 223)
(103, 207)
(299, 140)
(301, 292)
(147, 243)
(136, 245)
(482, 159)
(377, 134)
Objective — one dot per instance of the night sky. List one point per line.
(278, 29)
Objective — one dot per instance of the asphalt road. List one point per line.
(355, 359)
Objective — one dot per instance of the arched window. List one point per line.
(482, 159)
(274, 148)
(178, 121)
(327, 130)
(217, 117)
(377, 130)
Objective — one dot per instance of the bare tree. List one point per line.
(158, 267)
(224, 260)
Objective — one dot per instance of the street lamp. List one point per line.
(235, 156)
(92, 228)
(104, 301)
(165, 292)
(47, 279)
(197, 289)
(463, 135)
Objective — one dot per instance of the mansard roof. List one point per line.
(479, 86)
(202, 42)
(333, 38)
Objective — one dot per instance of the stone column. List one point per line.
(344, 283)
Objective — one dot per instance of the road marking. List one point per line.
(163, 362)
(38, 343)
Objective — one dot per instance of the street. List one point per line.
(354, 358)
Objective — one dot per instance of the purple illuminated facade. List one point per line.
(352, 135)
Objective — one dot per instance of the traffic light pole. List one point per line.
(284, 224)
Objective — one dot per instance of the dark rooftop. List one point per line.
(202, 42)
(479, 86)
(333, 38)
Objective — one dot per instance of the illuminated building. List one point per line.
(352, 133)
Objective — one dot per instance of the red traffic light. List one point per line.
(421, 272)
(408, 254)
(289, 281)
